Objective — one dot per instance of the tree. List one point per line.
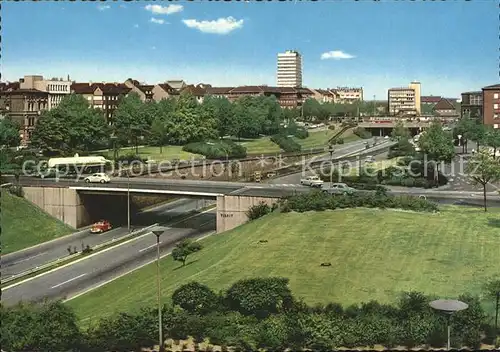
(73, 126)
(438, 145)
(158, 132)
(9, 133)
(130, 120)
(183, 249)
(400, 132)
(493, 139)
(465, 128)
(49, 327)
(222, 110)
(196, 298)
(259, 296)
(492, 289)
(483, 169)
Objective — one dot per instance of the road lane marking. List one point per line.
(67, 281)
(100, 252)
(130, 271)
(144, 249)
(26, 259)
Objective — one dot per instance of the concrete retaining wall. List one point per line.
(231, 210)
(62, 203)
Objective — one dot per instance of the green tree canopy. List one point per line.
(483, 169)
(9, 133)
(71, 127)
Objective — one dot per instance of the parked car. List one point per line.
(98, 178)
(101, 226)
(339, 188)
(312, 181)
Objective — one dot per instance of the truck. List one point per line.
(312, 181)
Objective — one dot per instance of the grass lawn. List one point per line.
(375, 254)
(169, 152)
(316, 139)
(261, 145)
(25, 225)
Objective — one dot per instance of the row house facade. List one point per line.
(23, 106)
(149, 92)
(472, 104)
(347, 95)
(491, 105)
(287, 97)
(104, 96)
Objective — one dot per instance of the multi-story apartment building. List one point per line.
(472, 105)
(287, 97)
(104, 96)
(445, 108)
(491, 105)
(323, 95)
(401, 101)
(416, 88)
(23, 106)
(196, 91)
(57, 88)
(347, 95)
(144, 91)
(289, 69)
(177, 84)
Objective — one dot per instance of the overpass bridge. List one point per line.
(65, 199)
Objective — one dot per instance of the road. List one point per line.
(105, 266)
(31, 258)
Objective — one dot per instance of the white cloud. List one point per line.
(157, 20)
(164, 10)
(103, 7)
(219, 26)
(336, 55)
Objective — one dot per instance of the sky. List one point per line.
(450, 46)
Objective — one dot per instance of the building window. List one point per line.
(496, 116)
(495, 96)
(495, 125)
(495, 106)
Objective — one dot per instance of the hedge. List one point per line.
(253, 313)
(319, 201)
(286, 143)
(217, 149)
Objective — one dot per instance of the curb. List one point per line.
(69, 258)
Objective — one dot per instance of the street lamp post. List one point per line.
(158, 233)
(128, 199)
(448, 307)
(331, 150)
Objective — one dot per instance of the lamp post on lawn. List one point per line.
(158, 233)
(331, 150)
(114, 138)
(128, 199)
(448, 306)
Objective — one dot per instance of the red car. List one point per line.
(100, 227)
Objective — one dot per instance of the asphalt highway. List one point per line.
(21, 261)
(106, 266)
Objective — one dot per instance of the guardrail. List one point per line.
(70, 257)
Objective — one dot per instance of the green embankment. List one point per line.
(25, 225)
(375, 254)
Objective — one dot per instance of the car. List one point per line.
(99, 177)
(339, 188)
(101, 226)
(369, 159)
(312, 181)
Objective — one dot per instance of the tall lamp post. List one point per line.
(448, 307)
(331, 150)
(128, 199)
(158, 233)
(114, 138)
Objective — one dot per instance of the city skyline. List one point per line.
(217, 43)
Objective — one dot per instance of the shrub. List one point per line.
(217, 149)
(196, 298)
(16, 190)
(258, 211)
(321, 201)
(286, 143)
(339, 141)
(130, 158)
(362, 133)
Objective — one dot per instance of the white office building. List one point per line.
(289, 73)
